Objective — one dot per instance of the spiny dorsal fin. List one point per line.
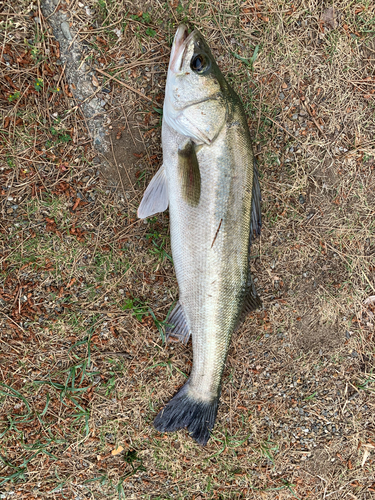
(256, 215)
(155, 199)
(178, 331)
(189, 174)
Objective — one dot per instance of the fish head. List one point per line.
(195, 102)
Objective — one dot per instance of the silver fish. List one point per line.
(209, 181)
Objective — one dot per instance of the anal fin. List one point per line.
(177, 329)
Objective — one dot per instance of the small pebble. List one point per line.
(66, 31)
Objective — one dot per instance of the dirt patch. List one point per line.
(320, 463)
(317, 337)
(127, 155)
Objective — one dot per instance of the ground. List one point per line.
(86, 286)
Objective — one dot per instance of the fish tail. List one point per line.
(185, 411)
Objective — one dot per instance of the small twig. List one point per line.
(218, 25)
(125, 231)
(108, 289)
(362, 90)
(285, 130)
(121, 354)
(10, 319)
(58, 82)
(17, 295)
(97, 239)
(9, 254)
(306, 106)
(7, 343)
(125, 85)
(144, 145)
(127, 123)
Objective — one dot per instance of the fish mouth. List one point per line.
(180, 42)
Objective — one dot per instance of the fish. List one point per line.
(209, 181)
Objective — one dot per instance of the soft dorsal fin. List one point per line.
(177, 329)
(155, 199)
(190, 176)
(252, 300)
(256, 214)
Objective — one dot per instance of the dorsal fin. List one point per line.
(252, 300)
(256, 214)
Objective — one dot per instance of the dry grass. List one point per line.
(85, 286)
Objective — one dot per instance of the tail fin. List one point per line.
(184, 411)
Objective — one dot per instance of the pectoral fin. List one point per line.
(155, 199)
(190, 176)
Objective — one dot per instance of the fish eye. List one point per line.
(198, 63)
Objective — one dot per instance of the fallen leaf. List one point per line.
(369, 300)
(330, 17)
(117, 451)
(366, 454)
(95, 81)
(72, 281)
(77, 202)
